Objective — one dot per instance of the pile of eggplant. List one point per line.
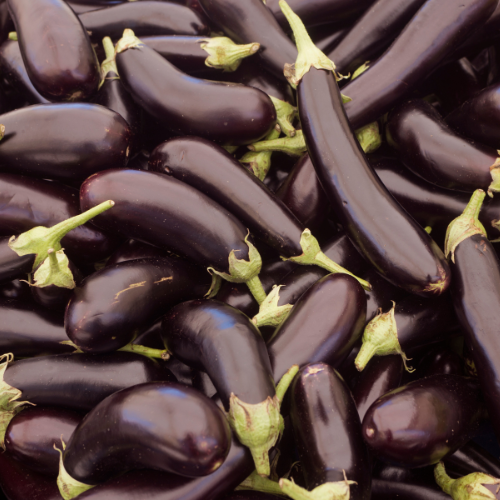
(248, 249)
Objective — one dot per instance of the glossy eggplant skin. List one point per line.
(250, 495)
(56, 49)
(66, 142)
(134, 250)
(81, 381)
(179, 217)
(15, 289)
(28, 329)
(441, 360)
(391, 490)
(323, 326)
(220, 340)
(412, 57)
(380, 376)
(329, 442)
(476, 297)
(31, 435)
(397, 247)
(435, 416)
(472, 458)
(373, 32)
(430, 149)
(202, 164)
(13, 266)
(251, 22)
(117, 303)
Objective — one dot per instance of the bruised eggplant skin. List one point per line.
(228, 113)
(66, 142)
(80, 381)
(56, 49)
(117, 303)
(179, 217)
(435, 416)
(31, 435)
(202, 165)
(399, 249)
(329, 442)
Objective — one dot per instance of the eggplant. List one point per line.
(250, 495)
(134, 250)
(66, 142)
(422, 476)
(472, 458)
(330, 443)
(220, 340)
(399, 249)
(31, 435)
(16, 289)
(391, 490)
(441, 360)
(432, 34)
(435, 416)
(114, 305)
(56, 49)
(145, 18)
(13, 265)
(156, 425)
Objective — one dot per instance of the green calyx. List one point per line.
(285, 114)
(40, 240)
(224, 54)
(54, 270)
(380, 338)
(369, 137)
(293, 146)
(68, 487)
(465, 225)
(313, 256)
(231, 149)
(259, 163)
(127, 41)
(470, 487)
(360, 70)
(255, 482)
(259, 426)
(494, 187)
(339, 490)
(109, 64)
(309, 55)
(13, 36)
(270, 313)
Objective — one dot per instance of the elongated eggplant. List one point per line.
(157, 425)
(392, 490)
(12, 265)
(119, 302)
(220, 340)
(412, 56)
(330, 443)
(65, 142)
(430, 149)
(399, 249)
(436, 415)
(31, 435)
(56, 49)
(472, 458)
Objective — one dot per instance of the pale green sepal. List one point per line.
(255, 482)
(309, 55)
(146, 351)
(345, 99)
(360, 70)
(313, 255)
(109, 64)
(338, 490)
(380, 338)
(469, 487)
(230, 148)
(127, 41)
(293, 146)
(224, 54)
(494, 187)
(465, 225)
(54, 271)
(259, 163)
(13, 36)
(369, 137)
(285, 114)
(214, 286)
(68, 487)
(270, 313)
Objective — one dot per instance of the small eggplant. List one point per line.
(56, 49)
(223, 112)
(435, 416)
(32, 434)
(220, 340)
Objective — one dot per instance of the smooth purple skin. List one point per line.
(13, 266)
(390, 490)
(441, 360)
(16, 290)
(472, 458)
(134, 250)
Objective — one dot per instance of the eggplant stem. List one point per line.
(494, 187)
(285, 382)
(256, 289)
(146, 351)
(444, 481)
(224, 54)
(109, 64)
(369, 137)
(255, 482)
(270, 313)
(259, 163)
(68, 487)
(285, 114)
(54, 270)
(339, 490)
(292, 146)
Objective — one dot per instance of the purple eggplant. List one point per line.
(134, 250)
(392, 490)
(13, 265)
(472, 458)
(441, 360)
(16, 289)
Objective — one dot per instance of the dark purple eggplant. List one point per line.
(432, 35)
(31, 435)
(328, 435)
(224, 112)
(249, 495)
(80, 7)
(472, 458)
(56, 49)
(134, 250)
(434, 417)
(430, 149)
(16, 289)
(422, 476)
(66, 142)
(220, 340)
(146, 18)
(441, 360)
(328, 41)
(117, 303)
(399, 249)
(12, 265)
(157, 425)
(392, 490)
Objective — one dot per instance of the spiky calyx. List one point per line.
(259, 162)
(224, 54)
(127, 41)
(292, 146)
(54, 271)
(285, 114)
(339, 490)
(270, 313)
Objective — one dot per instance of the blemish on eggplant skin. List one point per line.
(168, 278)
(130, 287)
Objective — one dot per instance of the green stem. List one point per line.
(285, 114)
(293, 146)
(147, 351)
(365, 354)
(270, 312)
(285, 382)
(256, 289)
(109, 64)
(255, 482)
(444, 481)
(54, 270)
(259, 163)
(13, 36)
(224, 54)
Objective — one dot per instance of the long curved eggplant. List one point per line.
(31, 435)
(399, 249)
(114, 305)
(435, 416)
(56, 49)
(430, 149)
(223, 112)
(65, 142)
(330, 443)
